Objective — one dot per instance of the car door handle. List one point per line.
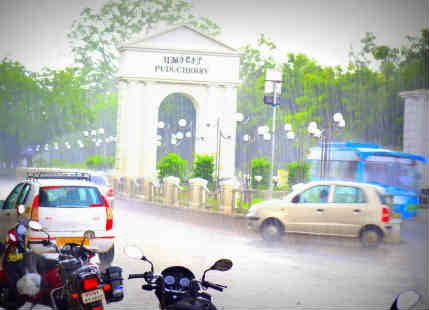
(356, 210)
(320, 210)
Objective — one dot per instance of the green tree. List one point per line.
(204, 167)
(172, 165)
(260, 167)
(298, 172)
(35, 108)
(96, 36)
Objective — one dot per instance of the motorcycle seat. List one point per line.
(46, 263)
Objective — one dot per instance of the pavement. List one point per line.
(300, 272)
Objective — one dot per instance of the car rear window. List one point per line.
(69, 197)
(383, 199)
(99, 180)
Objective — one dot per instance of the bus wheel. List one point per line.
(371, 237)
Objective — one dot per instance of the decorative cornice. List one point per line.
(415, 93)
(132, 78)
(180, 51)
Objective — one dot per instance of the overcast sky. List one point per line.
(34, 31)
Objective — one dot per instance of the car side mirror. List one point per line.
(295, 199)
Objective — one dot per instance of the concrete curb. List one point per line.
(233, 223)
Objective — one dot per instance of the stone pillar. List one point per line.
(416, 127)
(129, 187)
(147, 189)
(228, 201)
(171, 185)
(197, 187)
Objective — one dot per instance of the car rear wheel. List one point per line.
(106, 258)
(371, 237)
(272, 230)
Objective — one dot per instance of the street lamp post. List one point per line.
(325, 136)
(273, 81)
(238, 117)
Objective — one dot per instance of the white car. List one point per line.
(66, 205)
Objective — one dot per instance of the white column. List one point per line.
(121, 130)
(134, 128)
(229, 130)
(148, 130)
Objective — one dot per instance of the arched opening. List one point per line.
(176, 127)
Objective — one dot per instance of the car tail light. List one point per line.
(98, 308)
(35, 209)
(90, 283)
(110, 192)
(385, 215)
(109, 215)
(107, 287)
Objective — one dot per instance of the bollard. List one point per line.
(197, 186)
(228, 189)
(148, 189)
(170, 188)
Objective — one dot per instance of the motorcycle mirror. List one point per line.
(133, 252)
(222, 265)
(406, 300)
(20, 210)
(35, 225)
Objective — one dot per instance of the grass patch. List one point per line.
(246, 204)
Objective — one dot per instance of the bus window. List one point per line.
(392, 171)
(345, 170)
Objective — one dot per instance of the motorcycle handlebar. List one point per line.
(136, 275)
(214, 286)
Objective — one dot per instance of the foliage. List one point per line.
(246, 204)
(298, 172)
(172, 165)
(366, 92)
(96, 36)
(203, 167)
(38, 107)
(261, 167)
(100, 162)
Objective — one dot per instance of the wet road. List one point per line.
(298, 273)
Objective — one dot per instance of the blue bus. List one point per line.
(399, 173)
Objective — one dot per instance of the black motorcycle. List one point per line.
(176, 286)
(70, 278)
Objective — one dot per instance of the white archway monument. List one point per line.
(179, 60)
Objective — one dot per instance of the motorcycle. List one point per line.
(66, 279)
(176, 287)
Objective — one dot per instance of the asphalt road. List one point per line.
(300, 272)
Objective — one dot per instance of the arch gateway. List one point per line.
(180, 60)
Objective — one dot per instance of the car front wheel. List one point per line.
(272, 230)
(371, 237)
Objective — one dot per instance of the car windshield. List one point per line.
(69, 197)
